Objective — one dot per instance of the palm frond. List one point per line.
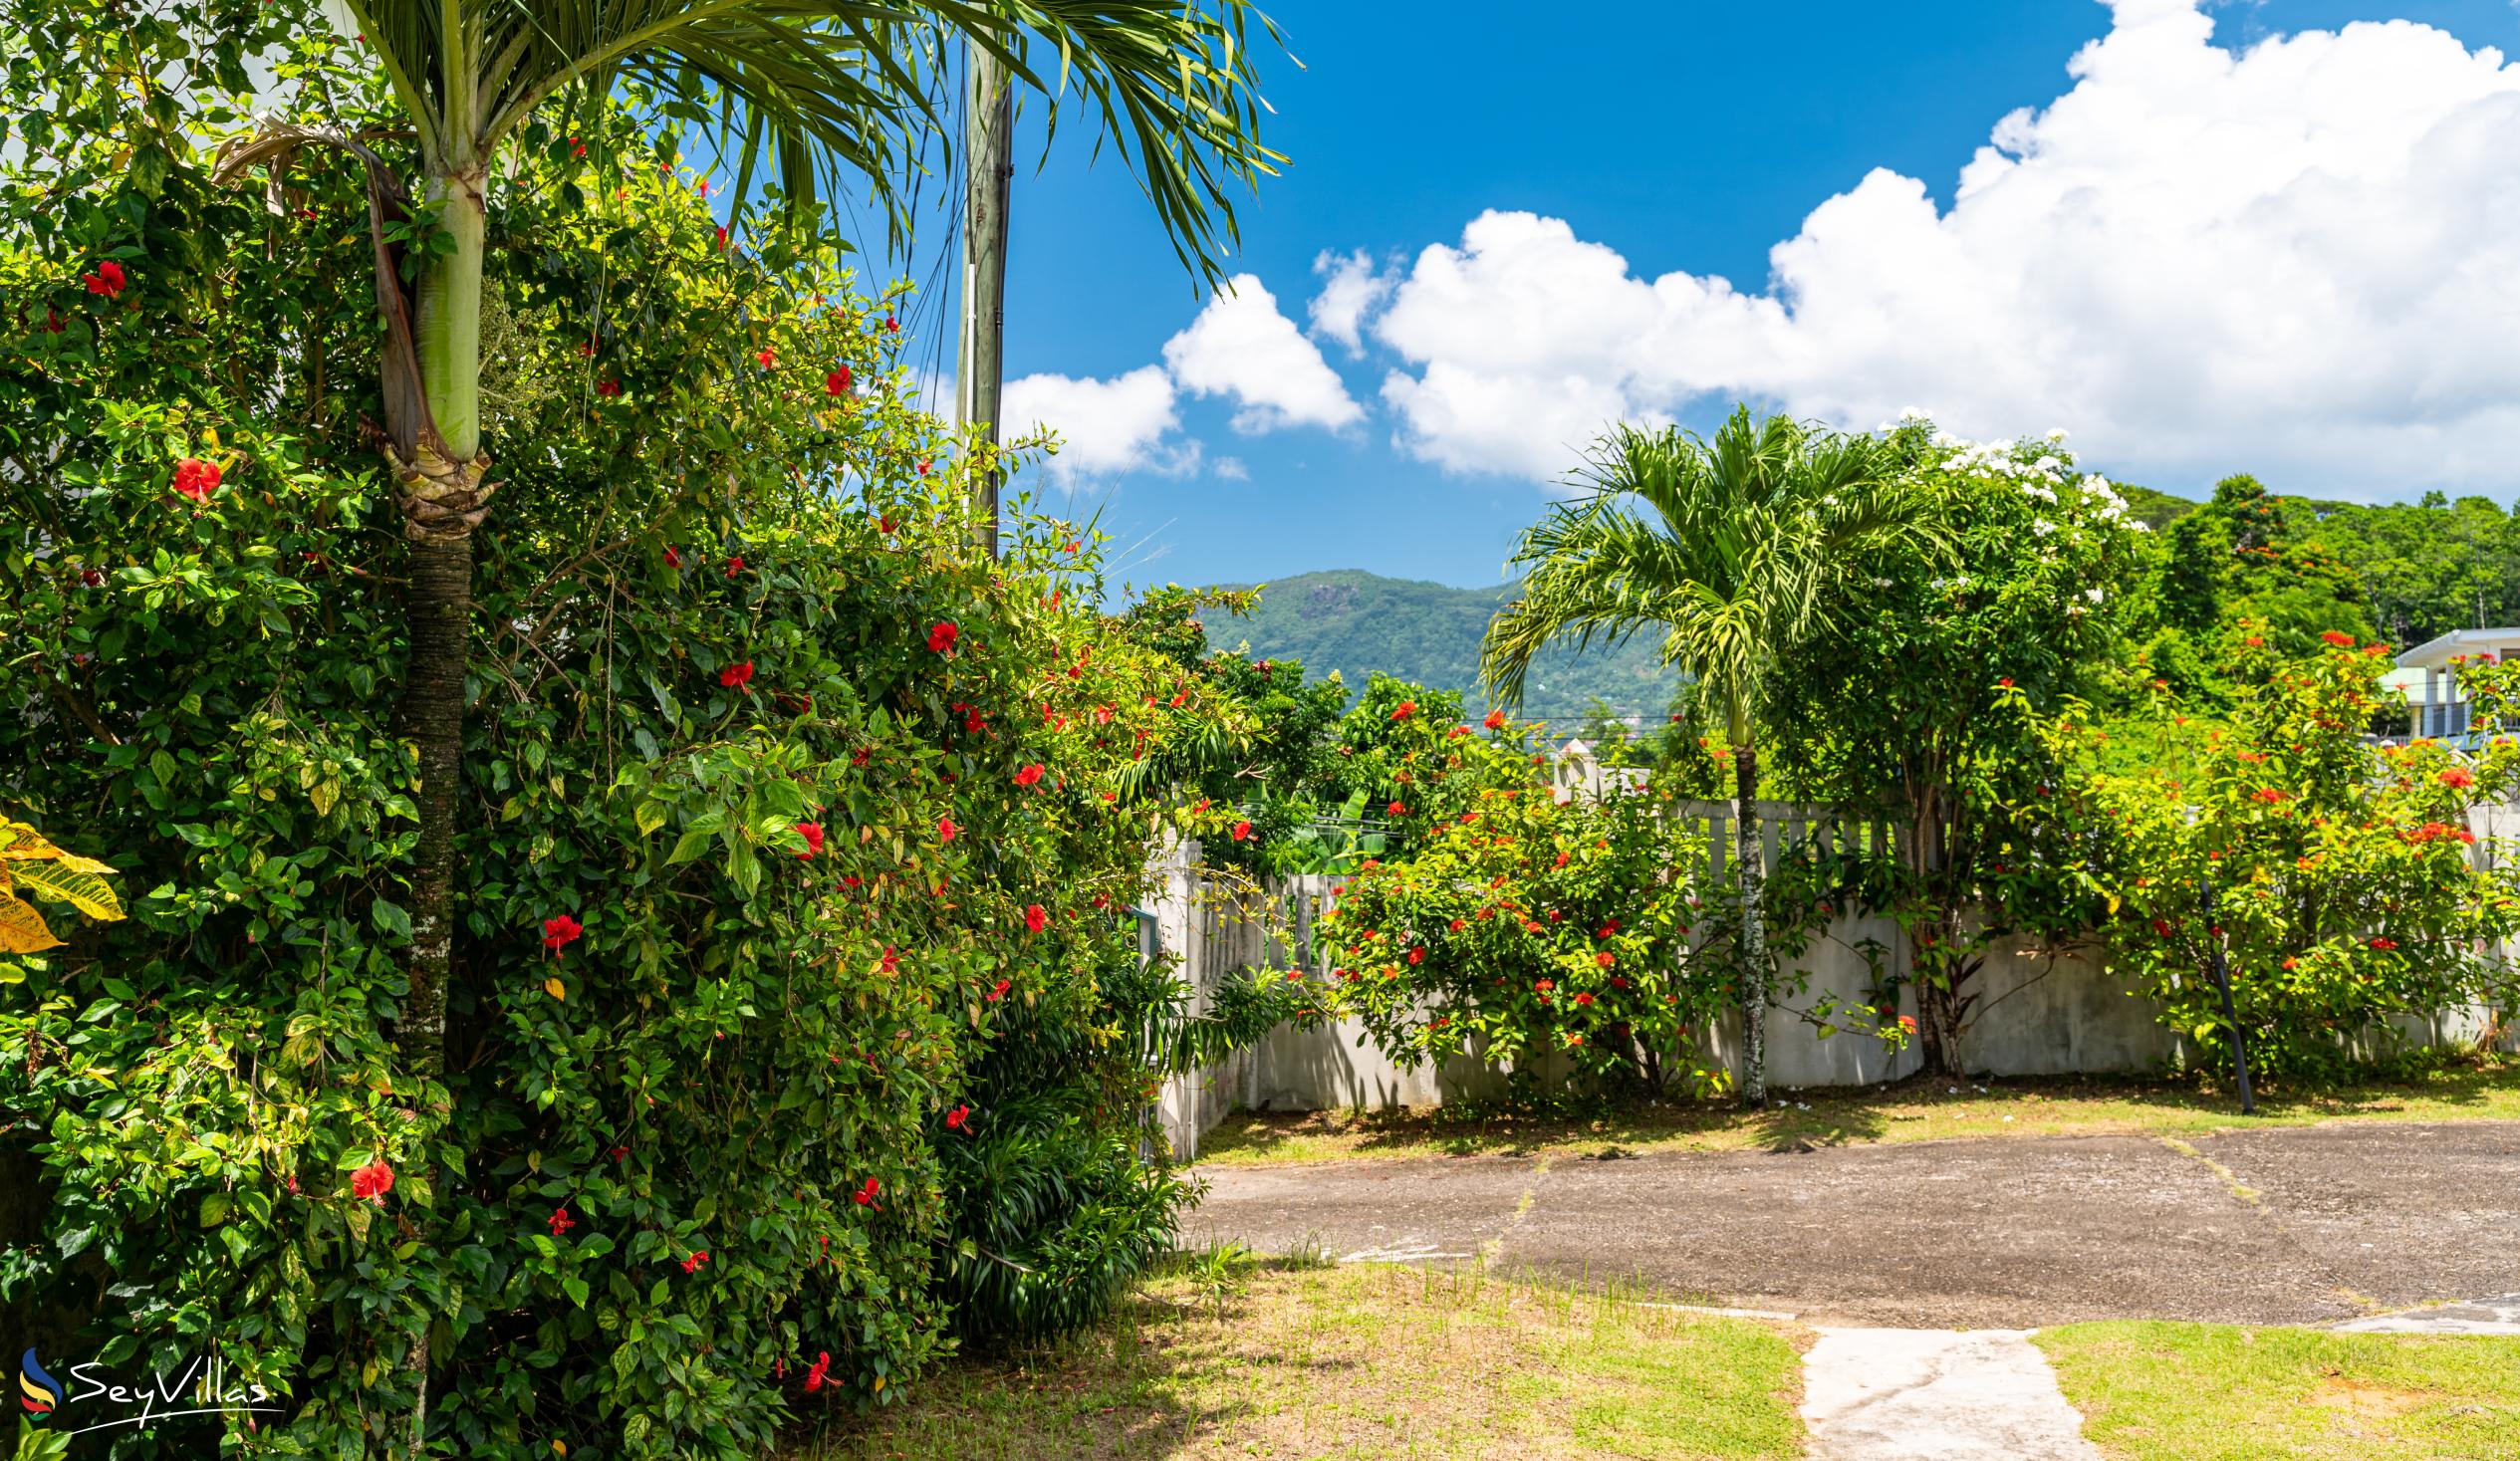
(833, 96)
(1736, 547)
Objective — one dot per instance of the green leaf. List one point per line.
(389, 918)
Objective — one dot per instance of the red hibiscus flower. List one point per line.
(891, 959)
(692, 1264)
(1907, 1023)
(864, 1196)
(837, 383)
(1242, 831)
(2267, 794)
(892, 324)
(958, 1117)
(2161, 928)
(560, 932)
(373, 1182)
(821, 1366)
(734, 565)
(2256, 644)
(736, 676)
(2006, 682)
(1545, 985)
(999, 992)
(561, 1222)
(1495, 720)
(608, 387)
(946, 829)
(1028, 776)
(577, 149)
(2458, 776)
(1034, 918)
(1397, 810)
(672, 559)
(2339, 637)
(1583, 999)
(107, 280)
(1605, 958)
(812, 832)
(1607, 930)
(196, 479)
(940, 638)
(766, 355)
(1406, 709)
(1460, 923)
(722, 235)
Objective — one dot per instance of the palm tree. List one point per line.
(828, 94)
(1735, 549)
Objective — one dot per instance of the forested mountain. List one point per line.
(1357, 622)
(2402, 572)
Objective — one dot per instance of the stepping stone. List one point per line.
(1937, 1395)
(2499, 1316)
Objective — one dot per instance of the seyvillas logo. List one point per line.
(38, 1392)
(198, 1387)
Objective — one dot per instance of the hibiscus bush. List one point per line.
(796, 1027)
(1517, 927)
(2345, 881)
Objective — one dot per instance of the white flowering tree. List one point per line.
(1737, 552)
(1913, 705)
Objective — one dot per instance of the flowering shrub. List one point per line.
(1915, 705)
(2343, 877)
(1519, 927)
(795, 1022)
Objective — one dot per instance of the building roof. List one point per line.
(2438, 653)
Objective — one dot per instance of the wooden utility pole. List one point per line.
(988, 178)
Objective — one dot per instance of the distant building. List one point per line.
(2427, 676)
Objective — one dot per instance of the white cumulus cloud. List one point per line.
(2301, 259)
(1351, 289)
(1106, 427)
(1241, 345)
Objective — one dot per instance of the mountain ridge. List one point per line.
(1357, 622)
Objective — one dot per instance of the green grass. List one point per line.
(1228, 1357)
(2217, 1392)
(1917, 1109)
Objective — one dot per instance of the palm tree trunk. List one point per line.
(1750, 868)
(440, 489)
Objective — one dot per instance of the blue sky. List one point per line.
(1691, 139)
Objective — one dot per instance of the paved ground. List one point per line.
(1937, 1395)
(2293, 1225)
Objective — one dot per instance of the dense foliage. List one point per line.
(2338, 877)
(1531, 930)
(1910, 707)
(796, 1023)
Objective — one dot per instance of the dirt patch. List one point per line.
(2367, 1401)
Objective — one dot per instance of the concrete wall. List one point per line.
(2039, 1012)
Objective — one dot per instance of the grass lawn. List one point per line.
(1227, 1357)
(1916, 1109)
(2216, 1392)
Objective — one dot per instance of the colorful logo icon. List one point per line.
(38, 1392)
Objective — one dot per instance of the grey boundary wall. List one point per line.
(2039, 1012)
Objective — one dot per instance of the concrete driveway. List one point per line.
(2290, 1225)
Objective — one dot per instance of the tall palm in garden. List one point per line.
(1735, 549)
(828, 95)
